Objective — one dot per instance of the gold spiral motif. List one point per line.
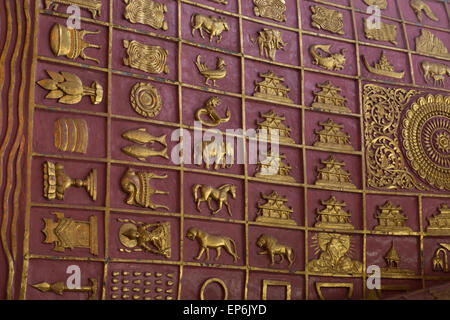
(147, 12)
(145, 100)
(151, 59)
(426, 138)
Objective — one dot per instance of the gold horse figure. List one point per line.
(220, 195)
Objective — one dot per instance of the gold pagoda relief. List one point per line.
(67, 233)
(214, 26)
(271, 88)
(138, 236)
(71, 135)
(208, 241)
(211, 74)
(208, 193)
(147, 58)
(334, 61)
(327, 19)
(391, 219)
(273, 248)
(332, 137)
(56, 182)
(269, 41)
(440, 258)
(145, 100)
(60, 288)
(93, 6)
(273, 125)
(68, 88)
(430, 44)
(385, 164)
(393, 264)
(68, 42)
(419, 6)
(148, 12)
(332, 175)
(272, 9)
(137, 186)
(274, 168)
(329, 98)
(141, 138)
(333, 216)
(382, 4)
(386, 32)
(383, 68)
(439, 224)
(274, 211)
(437, 71)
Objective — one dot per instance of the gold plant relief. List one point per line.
(66, 41)
(141, 138)
(437, 71)
(386, 32)
(269, 41)
(391, 219)
(148, 237)
(440, 223)
(418, 6)
(429, 44)
(383, 68)
(67, 233)
(147, 58)
(211, 25)
(60, 287)
(208, 241)
(329, 98)
(332, 137)
(382, 4)
(272, 9)
(271, 88)
(137, 186)
(208, 193)
(56, 182)
(273, 125)
(94, 6)
(71, 135)
(274, 211)
(334, 61)
(333, 216)
(145, 100)
(68, 88)
(219, 153)
(393, 264)
(272, 248)
(335, 254)
(327, 19)
(210, 111)
(385, 165)
(219, 73)
(332, 175)
(273, 167)
(426, 139)
(440, 258)
(147, 12)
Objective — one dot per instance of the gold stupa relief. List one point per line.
(274, 211)
(333, 216)
(332, 137)
(391, 219)
(147, 12)
(329, 98)
(383, 68)
(273, 167)
(439, 224)
(429, 44)
(332, 175)
(273, 124)
(271, 88)
(393, 264)
(327, 19)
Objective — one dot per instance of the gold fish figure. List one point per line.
(142, 152)
(142, 136)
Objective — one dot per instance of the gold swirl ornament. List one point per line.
(151, 59)
(426, 139)
(145, 100)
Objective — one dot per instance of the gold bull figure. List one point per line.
(211, 25)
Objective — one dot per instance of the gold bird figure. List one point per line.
(213, 75)
(418, 6)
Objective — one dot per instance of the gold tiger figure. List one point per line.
(272, 247)
(207, 241)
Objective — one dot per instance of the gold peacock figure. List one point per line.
(209, 74)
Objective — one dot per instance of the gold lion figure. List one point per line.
(271, 247)
(207, 241)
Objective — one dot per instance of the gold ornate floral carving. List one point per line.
(386, 166)
(147, 12)
(147, 58)
(272, 9)
(327, 19)
(426, 139)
